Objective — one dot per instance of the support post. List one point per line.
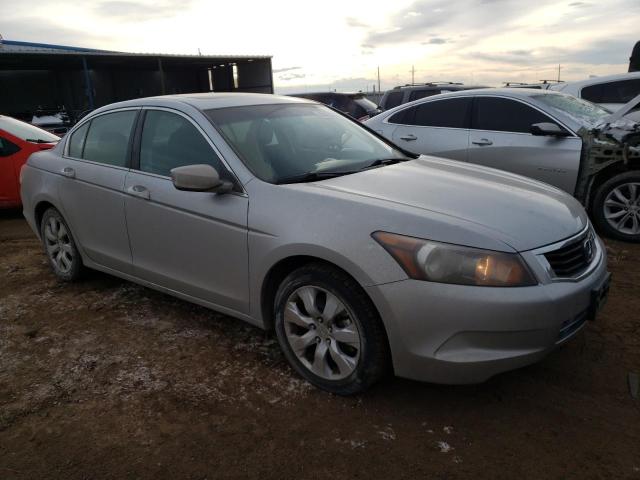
(88, 85)
(162, 87)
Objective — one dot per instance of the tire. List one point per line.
(330, 331)
(60, 247)
(616, 207)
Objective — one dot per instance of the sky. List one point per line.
(339, 44)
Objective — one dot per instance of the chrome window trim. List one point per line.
(595, 261)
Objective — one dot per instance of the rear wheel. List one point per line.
(60, 247)
(616, 207)
(329, 330)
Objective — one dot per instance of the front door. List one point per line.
(500, 138)
(95, 166)
(194, 243)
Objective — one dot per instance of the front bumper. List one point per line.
(456, 334)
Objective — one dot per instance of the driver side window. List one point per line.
(505, 115)
(170, 140)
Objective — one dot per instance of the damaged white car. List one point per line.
(567, 142)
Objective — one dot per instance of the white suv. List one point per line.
(611, 91)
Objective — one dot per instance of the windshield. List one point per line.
(579, 110)
(279, 142)
(25, 131)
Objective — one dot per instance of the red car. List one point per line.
(18, 140)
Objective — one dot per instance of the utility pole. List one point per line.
(378, 78)
(413, 73)
(558, 73)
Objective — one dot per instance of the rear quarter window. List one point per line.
(622, 91)
(393, 99)
(7, 148)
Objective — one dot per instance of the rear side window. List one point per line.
(76, 141)
(622, 91)
(7, 148)
(108, 138)
(418, 94)
(505, 115)
(170, 140)
(393, 99)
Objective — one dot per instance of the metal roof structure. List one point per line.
(78, 78)
(17, 47)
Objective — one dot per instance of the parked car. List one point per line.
(18, 140)
(610, 92)
(356, 105)
(546, 135)
(415, 91)
(362, 257)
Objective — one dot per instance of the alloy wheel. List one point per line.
(322, 333)
(58, 245)
(622, 208)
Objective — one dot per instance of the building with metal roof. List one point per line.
(39, 76)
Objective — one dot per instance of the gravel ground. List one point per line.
(106, 379)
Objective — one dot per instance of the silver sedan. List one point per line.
(363, 258)
(549, 136)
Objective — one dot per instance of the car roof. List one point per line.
(597, 80)
(505, 91)
(347, 94)
(207, 101)
(434, 86)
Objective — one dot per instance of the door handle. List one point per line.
(68, 172)
(409, 138)
(483, 142)
(139, 191)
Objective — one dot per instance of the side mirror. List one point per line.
(199, 178)
(548, 129)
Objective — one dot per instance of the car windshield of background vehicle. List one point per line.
(284, 141)
(579, 110)
(26, 132)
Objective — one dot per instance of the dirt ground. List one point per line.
(106, 379)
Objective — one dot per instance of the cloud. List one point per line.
(291, 76)
(436, 41)
(129, 11)
(49, 32)
(285, 69)
(355, 23)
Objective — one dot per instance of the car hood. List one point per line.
(520, 212)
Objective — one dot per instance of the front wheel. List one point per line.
(616, 207)
(329, 330)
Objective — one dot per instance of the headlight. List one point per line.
(447, 263)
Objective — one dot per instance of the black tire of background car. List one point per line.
(375, 359)
(597, 206)
(77, 267)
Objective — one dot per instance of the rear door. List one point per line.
(438, 127)
(194, 243)
(94, 167)
(500, 138)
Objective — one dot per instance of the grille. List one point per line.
(574, 258)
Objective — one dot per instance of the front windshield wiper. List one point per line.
(384, 161)
(314, 176)
(40, 140)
